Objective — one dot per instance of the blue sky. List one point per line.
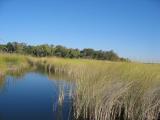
(129, 27)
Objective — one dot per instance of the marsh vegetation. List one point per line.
(104, 90)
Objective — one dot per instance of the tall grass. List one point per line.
(105, 90)
(110, 90)
(12, 63)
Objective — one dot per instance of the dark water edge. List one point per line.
(35, 96)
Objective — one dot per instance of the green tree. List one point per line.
(60, 51)
(73, 53)
(87, 53)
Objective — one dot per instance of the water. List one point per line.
(35, 96)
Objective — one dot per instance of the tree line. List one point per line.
(59, 51)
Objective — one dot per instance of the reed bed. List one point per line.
(110, 90)
(12, 63)
(106, 90)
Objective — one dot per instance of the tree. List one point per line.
(10, 47)
(73, 53)
(60, 51)
(111, 55)
(87, 53)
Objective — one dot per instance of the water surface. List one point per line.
(35, 96)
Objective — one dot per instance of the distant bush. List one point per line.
(59, 51)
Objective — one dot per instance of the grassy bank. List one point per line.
(12, 63)
(105, 90)
(110, 90)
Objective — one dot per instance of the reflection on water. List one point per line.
(35, 97)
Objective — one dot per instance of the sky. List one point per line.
(129, 27)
